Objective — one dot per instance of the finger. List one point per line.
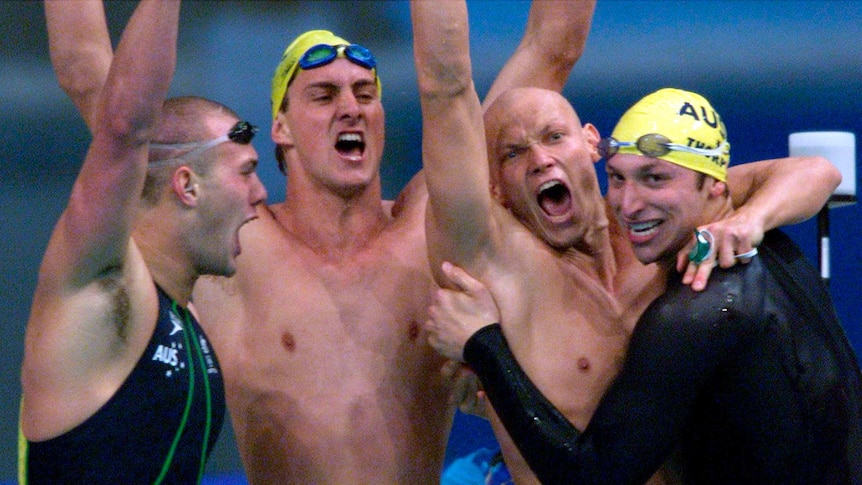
(466, 394)
(682, 262)
(726, 253)
(690, 271)
(698, 250)
(459, 278)
(745, 257)
(701, 276)
(460, 394)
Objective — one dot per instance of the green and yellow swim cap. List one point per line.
(289, 64)
(685, 118)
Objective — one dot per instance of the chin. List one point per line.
(646, 257)
(559, 241)
(226, 268)
(229, 269)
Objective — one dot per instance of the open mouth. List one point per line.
(554, 198)
(350, 145)
(643, 229)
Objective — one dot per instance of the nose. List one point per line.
(625, 198)
(633, 202)
(257, 194)
(540, 158)
(348, 105)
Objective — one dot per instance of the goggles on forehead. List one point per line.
(242, 132)
(322, 54)
(655, 145)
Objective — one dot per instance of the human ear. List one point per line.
(718, 189)
(592, 137)
(184, 185)
(280, 132)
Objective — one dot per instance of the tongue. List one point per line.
(555, 201)
(353, 154)
(350, 149)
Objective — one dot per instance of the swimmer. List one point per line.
(752, 379)
(120, 383)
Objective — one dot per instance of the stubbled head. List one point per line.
(541, 165)
(203, 169)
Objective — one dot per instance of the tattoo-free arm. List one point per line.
(80, 50)
(553, 41)
(767, 195)
(455, 162)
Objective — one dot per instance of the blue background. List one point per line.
(770, 68)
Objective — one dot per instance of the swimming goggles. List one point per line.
(322, 54)
(242, 132)
(655, 145)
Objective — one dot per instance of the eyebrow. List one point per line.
(331, 86)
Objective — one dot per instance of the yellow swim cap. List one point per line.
(287, 67)
(685, 118)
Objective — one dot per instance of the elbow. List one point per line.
(444, 81)
(824, 171)
(76, 79)
(563, 53)
(832, 174)
(123, 120)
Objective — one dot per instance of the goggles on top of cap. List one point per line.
(242, 132)
(322, 54)
(655, 145)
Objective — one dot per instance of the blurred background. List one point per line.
(770, 68)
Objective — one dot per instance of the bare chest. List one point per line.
(567, 332)
(335, 368)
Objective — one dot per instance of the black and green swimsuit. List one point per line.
(159, 427)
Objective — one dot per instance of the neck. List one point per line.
(161, 250)
(597, 249)
(333, 225)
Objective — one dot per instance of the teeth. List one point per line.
(549, 184)
(350, 137)
(642, 226)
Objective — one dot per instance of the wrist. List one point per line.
(489, 336)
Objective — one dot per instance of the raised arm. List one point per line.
(85, 295)
(453, 138)
(80, 49)
(553, 41)
(94, 231)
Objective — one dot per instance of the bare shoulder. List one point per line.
(81, 345)
(412, 200)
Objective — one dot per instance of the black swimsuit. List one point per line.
(159, 427)
(751, 381)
